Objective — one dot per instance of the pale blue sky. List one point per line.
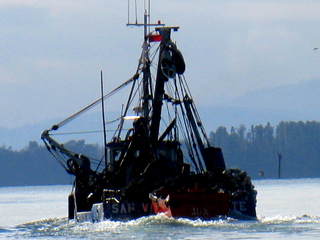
(51, 52)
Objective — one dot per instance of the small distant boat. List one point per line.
(164, 163)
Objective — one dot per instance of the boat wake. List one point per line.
(160, 226)
(306, 218)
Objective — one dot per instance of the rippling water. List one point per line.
(287, 209)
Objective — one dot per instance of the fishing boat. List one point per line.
(164, 162)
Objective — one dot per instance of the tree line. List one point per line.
(255, 150)
(34, 165)
(259, 149)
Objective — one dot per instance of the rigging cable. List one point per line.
(56, 126)
(183, 89)
(195, 112)
(120, 126)
(187, 133)
(187, 130)
(55, 156)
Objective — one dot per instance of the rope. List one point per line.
(55, 127)
(55, 155)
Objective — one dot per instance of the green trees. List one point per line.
(256, 149)
(34, 165)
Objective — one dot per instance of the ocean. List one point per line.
(286, 208)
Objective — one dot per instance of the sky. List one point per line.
(52, 52)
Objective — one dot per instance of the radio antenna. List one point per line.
(146, 22)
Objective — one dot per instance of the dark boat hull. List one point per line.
(203, 205)
(196, 205)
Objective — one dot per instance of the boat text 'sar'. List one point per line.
(164, 162)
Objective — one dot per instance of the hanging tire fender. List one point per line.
(178, 60)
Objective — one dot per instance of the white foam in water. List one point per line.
(283, 213)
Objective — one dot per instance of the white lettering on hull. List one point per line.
(123, 208)
(129, 207)
(199, 212)
(239, 205)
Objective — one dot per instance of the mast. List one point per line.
(145, 61)
(159, 90)
(146, 70)
(103, 121)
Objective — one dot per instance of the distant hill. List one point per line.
(228, 116)
(301, 98)
(286, 103)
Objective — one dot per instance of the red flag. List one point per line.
(154, 37)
